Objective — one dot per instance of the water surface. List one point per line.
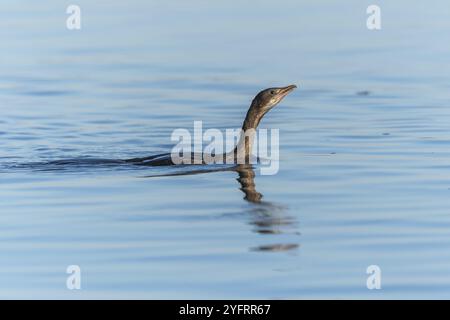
(365, 163)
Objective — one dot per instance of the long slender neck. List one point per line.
(253, 117)
(251, 122)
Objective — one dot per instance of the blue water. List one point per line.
(365, 150)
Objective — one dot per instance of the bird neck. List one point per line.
(243, 149)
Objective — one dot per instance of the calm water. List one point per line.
(365, 150)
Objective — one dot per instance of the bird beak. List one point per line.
(284, 91)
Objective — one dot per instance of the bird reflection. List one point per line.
(247, 182)
(266, 217)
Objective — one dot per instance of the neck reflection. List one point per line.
(266, 217)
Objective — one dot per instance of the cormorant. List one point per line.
(263, 102)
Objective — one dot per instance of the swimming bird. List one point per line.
(263, 102)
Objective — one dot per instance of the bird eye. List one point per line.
(272, 92)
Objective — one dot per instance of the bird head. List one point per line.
(269, 98)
